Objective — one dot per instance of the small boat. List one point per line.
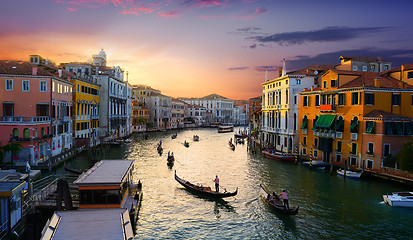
(73, 170)
(399, 199)
(196, 138)
(231, 146)
(278, 156)
(159, 149)
(277, 203)
(348, 173)
(170, 159)
(186, 144)
(146, 136)
(315, 164)
(204, 191)
(239, 140)
(174, 136)
(240, 135)
(225, 129)
(128, 140)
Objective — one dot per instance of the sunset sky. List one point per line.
(192, 48)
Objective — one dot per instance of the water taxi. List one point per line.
(109, 202)
(348, 173)
(399, 199)
(225, 128)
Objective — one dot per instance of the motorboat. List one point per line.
(278, 155)
(399, 199)
(315, 164)
(348, 173)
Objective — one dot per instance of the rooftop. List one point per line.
(385, 115)
(105, 172)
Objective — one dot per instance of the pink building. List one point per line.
(35, 109)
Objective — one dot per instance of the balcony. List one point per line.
(327, 108)
(25, 120)
(94, 117)
(65, 119)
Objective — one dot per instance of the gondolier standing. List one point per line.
(216, 181)
(285, 199)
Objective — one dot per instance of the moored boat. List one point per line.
(225, 128)
(73, 170)
(204, 190)
(276, 203)
(348, 173)
(278, 156)
(399, 199)
(315, 164)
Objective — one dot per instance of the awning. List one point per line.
(305, 121)
(370, 127)
(324, 121)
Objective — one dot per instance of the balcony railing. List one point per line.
(65, 119)
(15, 119)
(94, 117)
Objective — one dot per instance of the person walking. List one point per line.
(285, 199)
(216, 181)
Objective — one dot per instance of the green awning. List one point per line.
(340, 124)
(398, 127)
(388, 128)
(370, 127)
(324, 121)
(305, 121)
(408, 128)
(353, 125)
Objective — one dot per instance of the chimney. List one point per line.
(34, 71)
(401, 84)
(377, 83)
(60, 72)
(280, 71)
(312, 88)
(401, 72)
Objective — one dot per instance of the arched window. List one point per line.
(15, 132)
(26, 133)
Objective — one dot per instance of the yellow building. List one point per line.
(86, 108)
(356, 119)
(140, 109)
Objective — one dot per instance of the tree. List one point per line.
(404, 158)
(14, 148)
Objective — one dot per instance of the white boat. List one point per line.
(399, 199)
(225, 128)
(349, 173)
(128, 140)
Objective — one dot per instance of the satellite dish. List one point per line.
(315, 72)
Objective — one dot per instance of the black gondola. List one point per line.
(170, 159)
(174, 136)
(204, 191)
(277, 203)
(73, 170)
(160, 150)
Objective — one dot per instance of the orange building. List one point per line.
(356, 119)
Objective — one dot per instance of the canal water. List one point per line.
(331, 207)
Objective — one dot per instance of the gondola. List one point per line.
(231, 146)
(196, 138)
(204, 191)
(174, 136)
(160, 150)
(73, 170)
(170, 159)
(186, 144)
(277, 204)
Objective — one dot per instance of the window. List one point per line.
(43, 86)
(338, 158)
(42, 110)
(298, 81)
(411, 99)
(8, 109)
(410, 75)
(333, 83)
(373, 67)
(370, 127)
(9, 84)
(304, 151)
(353, 148)
(305, 101)
(369, 164)
(339, 145)
(295, 99)
(386, 67)
(353, 161)
(341, 99)
(304, 141)
(395, 99)
(315, 142)
(364, 68)
(25, 85)
(315, 154)
(324, 84)
(354, 98)
(369, 98)
(317, 100)
(370, 148)
(386, 150)
(354, 68)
